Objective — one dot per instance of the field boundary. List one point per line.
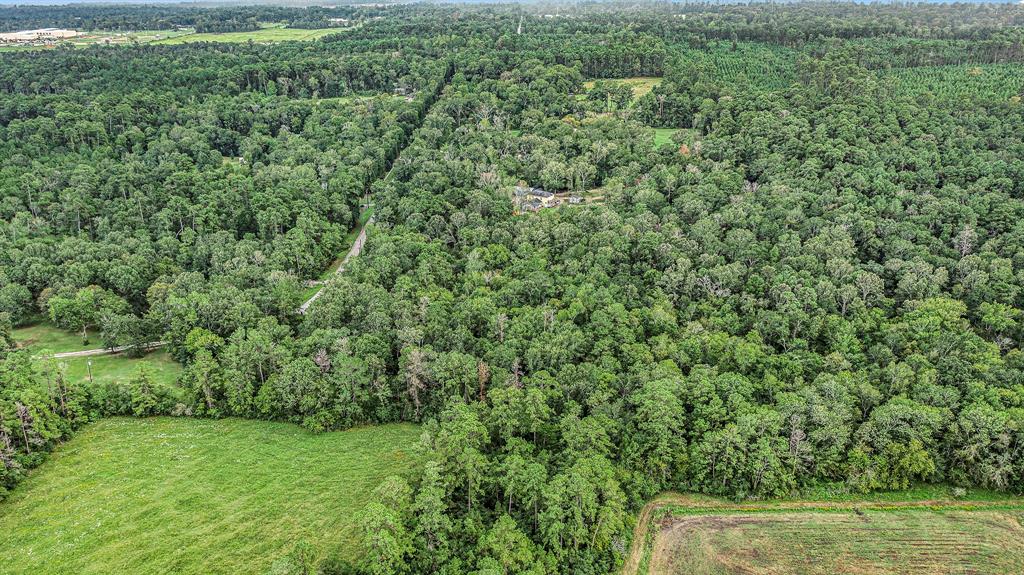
(680, 504)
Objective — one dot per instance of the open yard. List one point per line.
(45, 339)
(931, 537)
(120, 367)
(663, 136)
(911, 542)
(191, 496)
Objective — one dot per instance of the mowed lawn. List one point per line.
(121, 368)
(911, 542)
(193, 496)
(663, 136)
(45, 338)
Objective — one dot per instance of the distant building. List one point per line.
(575, 199)
(532, 199)
(532, 205)
(40, 35)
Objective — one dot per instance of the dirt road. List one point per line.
(357, 248)
(106, 351)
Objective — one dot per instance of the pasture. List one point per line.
(194, 496)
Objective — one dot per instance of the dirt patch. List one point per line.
(29, 342)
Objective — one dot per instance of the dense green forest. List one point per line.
(817, 283)
(209, 18)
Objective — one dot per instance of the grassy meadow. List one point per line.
(45, 339)
(194, 496)
(119, 367)
(663, 136)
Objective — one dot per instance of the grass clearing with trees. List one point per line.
(640, 84)
(912, 541)
(166, 495)
(119, 368)
(45, 339)
(663, 136)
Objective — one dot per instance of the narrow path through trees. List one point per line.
(357, 246)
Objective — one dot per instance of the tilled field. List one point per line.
(911, 541)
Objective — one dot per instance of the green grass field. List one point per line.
(663, 136)
(269, 33)
(113, 368)
(124, 38)
(193, 496)
(45, 339)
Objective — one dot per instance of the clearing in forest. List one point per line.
(191, 496)
(45, 339)
(692, 535)
(640, 84)
(663, 136)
